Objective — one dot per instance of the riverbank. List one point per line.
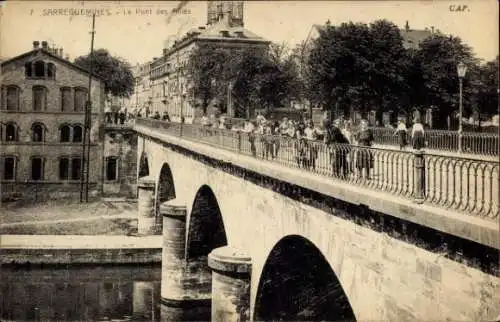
(69, 217)
(79, 249)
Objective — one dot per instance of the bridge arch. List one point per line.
(206, 229)
(165, 187)
(298, 284)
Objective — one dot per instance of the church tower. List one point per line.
(230, 10)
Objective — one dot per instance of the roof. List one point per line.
(414, 36)
(214, 32)
(409, 36)
(42, 51)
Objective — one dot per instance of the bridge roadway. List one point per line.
(333, 249)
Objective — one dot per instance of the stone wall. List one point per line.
(80, 256)
(384, 277)
(122, 144)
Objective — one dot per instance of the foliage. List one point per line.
(259, 77)
(438, 57)
(366, 67)
(115, 72)
(488, 87)
(358, 65)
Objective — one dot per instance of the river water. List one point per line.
(105, 293)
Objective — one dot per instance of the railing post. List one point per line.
(419, 177)
(239, 141)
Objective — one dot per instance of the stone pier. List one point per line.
(231, 271)
(185, 295)
(145, 205)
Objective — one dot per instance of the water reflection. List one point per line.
(81, 293)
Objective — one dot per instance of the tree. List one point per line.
(207, 69)
(438, 57)
(115, 71)
(360, 66)
(488, 89)
(258, 77)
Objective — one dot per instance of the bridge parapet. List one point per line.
(359, 175)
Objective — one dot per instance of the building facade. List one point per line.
(120, 161)
(141, 97)
(169, 75)
(42, 113)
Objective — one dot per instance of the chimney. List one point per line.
(45, 45)
(407, 26)
(61, 52)
(432, 29)
(36, 44)
(164, 51)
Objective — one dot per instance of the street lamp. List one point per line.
(461, 70)
(229, 99)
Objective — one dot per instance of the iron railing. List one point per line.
(462, 184)
(472, 142)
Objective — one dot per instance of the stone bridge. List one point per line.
(246, 239)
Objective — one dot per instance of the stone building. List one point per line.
(120, 161)
(141, 97)
(169, 79)
(413, 37)
(42, 113)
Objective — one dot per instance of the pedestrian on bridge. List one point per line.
(166, 116)
(417, 134)
(364, 157)
(249, 129)
(338, 147)
(401, 133)
(107, 111)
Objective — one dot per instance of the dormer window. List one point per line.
(28, 69)
(40, 69)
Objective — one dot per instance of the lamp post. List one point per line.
(461, 70)
(229, 100)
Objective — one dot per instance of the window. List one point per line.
(28, 69)
(37, 168)
(51, 70)
(12, 98)
(111, 168)
(65, 99)
(39, 98)
(77, 133)
(9, 168)
(37, 132)
(39, 67)
(11, 132)
(80, 99)
(63, 168)
(65, 133)
(76, 167)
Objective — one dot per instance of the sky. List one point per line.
(138, 30)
